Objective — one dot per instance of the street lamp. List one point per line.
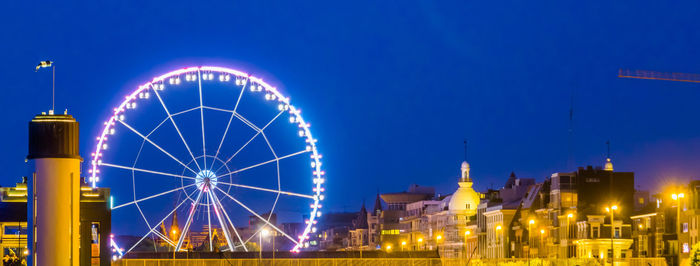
(542, 238)
(388, 248)
(529, 239)
(263, 232)
(403, 243)
(498, 237)
(612, 210)
(677, 198)
(466, 235)
(568, 234)
(420, 241)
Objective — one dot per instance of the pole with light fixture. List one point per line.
(612, 210)
(529, 239)
(677, 197)
(263, 232)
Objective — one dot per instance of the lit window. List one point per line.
(685, 227)
(686, 248)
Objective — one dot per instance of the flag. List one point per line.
(43, 64)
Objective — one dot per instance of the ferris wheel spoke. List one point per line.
(152, 229)
(246, 121)
(264, 163)
(153, 196)
(229, 220)
(157, 127)
(156, 145)
(222, 223)
(162, 103)
(185, 111)
(268, 190)
(145, 170)
(165, 238)
(201, 116)
(217, 109)
(230, 119)
(251, 139)
(259, 217)
(186, 229)
(211, 241)
(222, 140)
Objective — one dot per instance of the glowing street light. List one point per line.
(388, 248)
(677, 197)
(403, 244)
(612, 210)
(263, 232)
(529, 238)
(568, 233)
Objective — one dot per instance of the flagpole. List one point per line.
(53, 88)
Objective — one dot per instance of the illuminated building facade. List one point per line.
(95, 223)
(499, 213)
(13, 221)
(442, 223)
(667, 226)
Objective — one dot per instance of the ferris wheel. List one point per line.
(218, 147)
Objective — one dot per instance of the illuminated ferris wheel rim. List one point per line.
(318, 173)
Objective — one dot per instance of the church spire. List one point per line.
(377, 205)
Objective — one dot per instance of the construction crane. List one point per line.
(647, 74)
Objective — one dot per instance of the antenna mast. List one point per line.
(53, 87)
(465, 150)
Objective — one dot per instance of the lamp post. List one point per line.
(529, 239)
(403, 244)
(174, 250)
(263, 232)
(612, 210)
(437, 243)
(466, 235)
(498, 237)
(542, 238)
(677, 197)
(420, 242)
(568, 234)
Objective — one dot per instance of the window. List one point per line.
(685, 227)
(686, 248)
(594, 231)
(390, 232)
(641, 201)
(617, 232)
(15, 229)
(592, 180)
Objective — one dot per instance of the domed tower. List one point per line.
(465, 199)
(608, 165)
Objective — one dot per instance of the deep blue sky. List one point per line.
(391, 87)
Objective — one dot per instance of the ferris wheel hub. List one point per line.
(206, 178)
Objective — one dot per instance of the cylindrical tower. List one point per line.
(53, 145)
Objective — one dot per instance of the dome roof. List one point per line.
(608, 165)
(465, 198)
